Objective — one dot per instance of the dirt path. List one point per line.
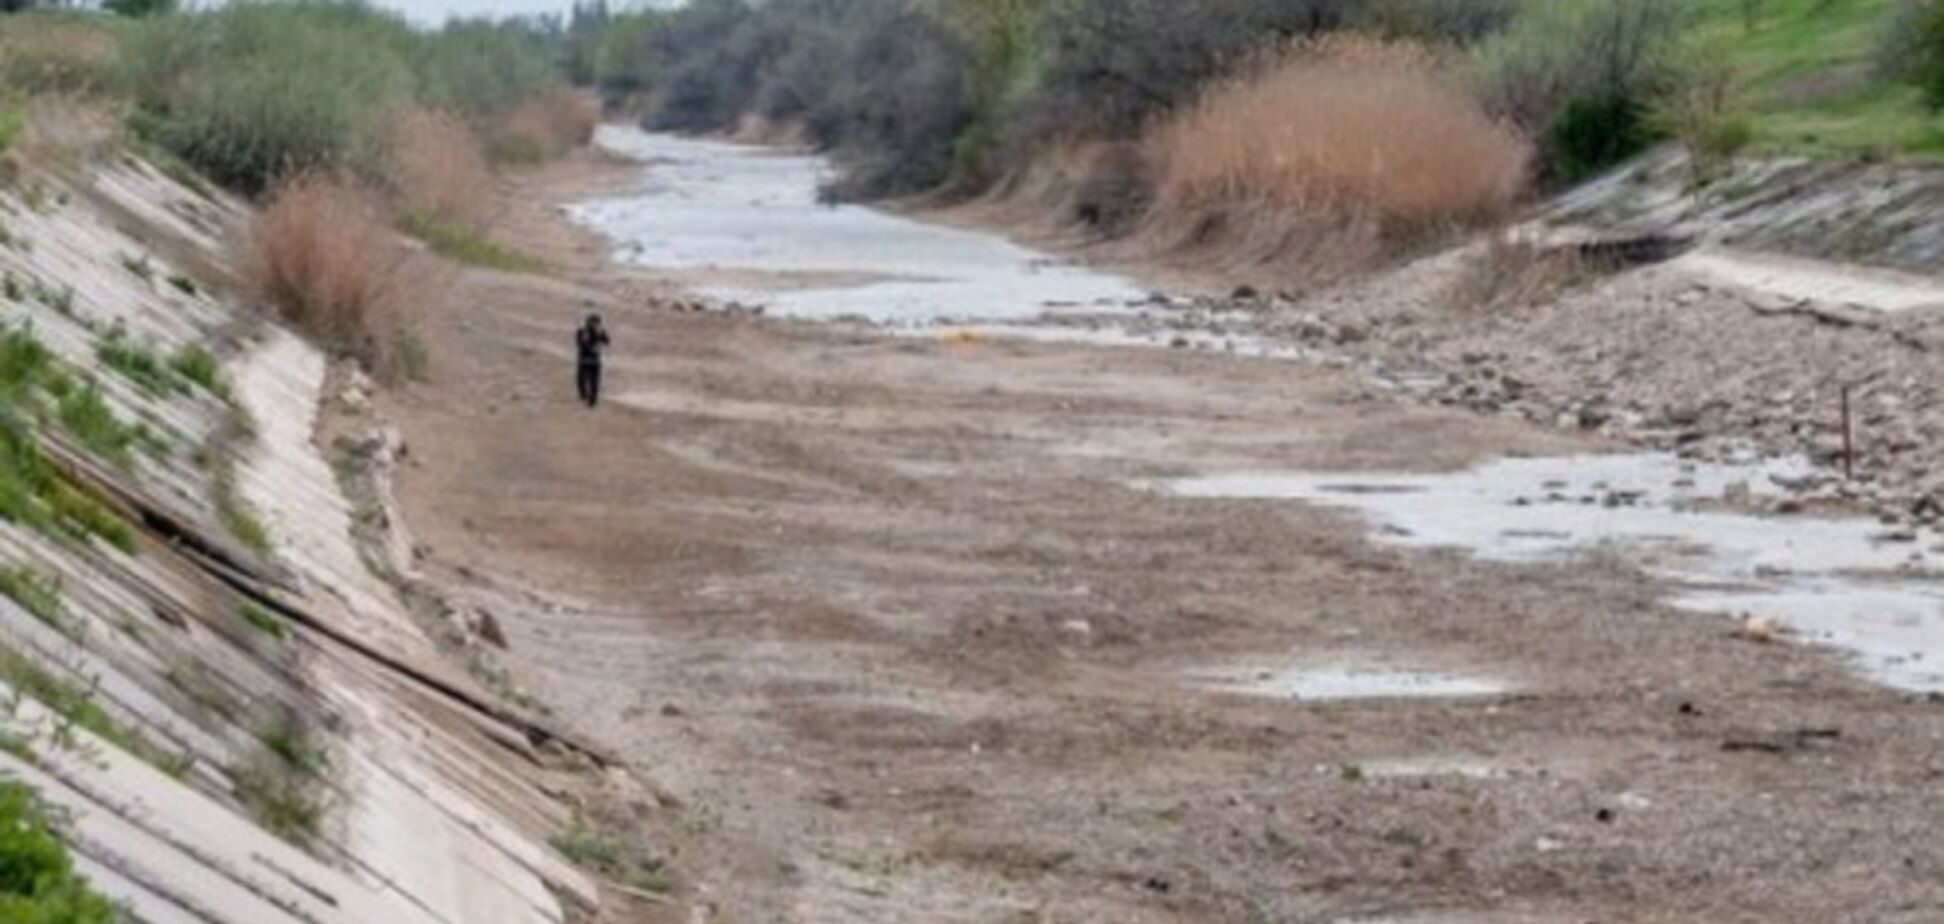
(900, 631)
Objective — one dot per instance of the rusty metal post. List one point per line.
(1849, 438)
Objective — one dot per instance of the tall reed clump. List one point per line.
(321, 251)
(543, 126)
(1343, 137)
(437, 169)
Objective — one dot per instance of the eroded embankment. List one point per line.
(243, 723)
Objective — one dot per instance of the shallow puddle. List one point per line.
(744, 212)
(1840, 582)
(1337, 682)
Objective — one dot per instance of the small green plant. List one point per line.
(138, 265)
(410, 358)
(467, 245)
(11, 122)
(195, 364)
(1927, 71)
(265, 621)
(80, 516)
(36, 593)
(584, 846)
(38, 884)
(245, 527)
(11, 286)
(34, 494)
(76, 706)
(183, 284)
(139, 364)
(24, 362)
(590, 847)
(279, 784)
(83, 413)
(61, 300)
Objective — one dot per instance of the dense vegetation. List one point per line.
(38, 883)
(912, 95)
(341, 118)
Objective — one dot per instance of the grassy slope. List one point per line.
(1809, 72)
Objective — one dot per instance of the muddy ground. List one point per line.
(895, 627)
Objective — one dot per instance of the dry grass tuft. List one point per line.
(322, 253)
(545, 126)
(1366, 142)
(1508, 274)
(56, 52)
(61, 129)
(437, 168)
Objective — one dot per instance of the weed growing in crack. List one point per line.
(36, 593)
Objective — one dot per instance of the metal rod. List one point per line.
(1849, 438)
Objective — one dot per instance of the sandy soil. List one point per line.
(894, 627)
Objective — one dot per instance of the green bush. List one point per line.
(139, 8)
(195, 364)
(1456, 21)
(1582, 75)
(479, 70)
(11, 123)
(253, 92)
(36, 593)
(38, 884)
(139, 364)
(1591, 134)
(1927, 61)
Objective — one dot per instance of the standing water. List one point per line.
(1846, 583)
(749, 221)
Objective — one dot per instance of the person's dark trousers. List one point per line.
(589, 381)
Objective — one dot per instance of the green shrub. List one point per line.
(84, 414)
(38, 884)
(264, 621)
(76, 706)
(1457, 21)
(139, 364)
(24, 362)
(480, 70)
(139, 8)
(31, 492)
(255, 91)
(279, 784)
(195, 364)
(1927, 62)
(1591, 134)
(11, 123)
(38, 594)
(1582, 76)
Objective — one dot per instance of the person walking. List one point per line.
(589, 341)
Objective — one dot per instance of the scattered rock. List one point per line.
(1759, 629)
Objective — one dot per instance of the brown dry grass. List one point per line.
(546, 126)
(437, 168)
(322, 253)
(55, 52)
(1509, 274)
(59, 130)
(1360, 141)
